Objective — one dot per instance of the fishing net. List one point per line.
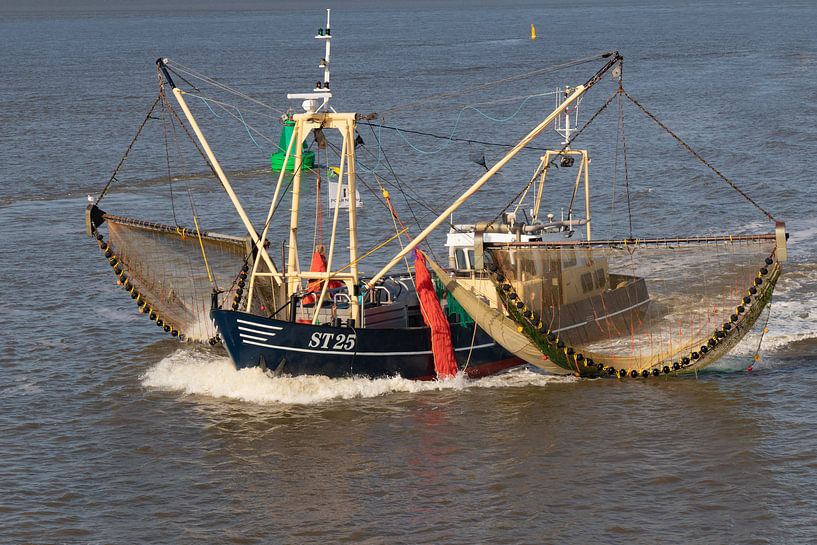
(172, 274)
(635, 307)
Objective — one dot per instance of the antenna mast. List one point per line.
(564, 126)
(321, 92)
(319, 116)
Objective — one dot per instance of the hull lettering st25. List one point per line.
(333, 341)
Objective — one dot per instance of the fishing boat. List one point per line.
(514, 293)
(288, 320)
(629, 308)
(576, 282)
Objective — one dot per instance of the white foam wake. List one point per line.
(793, 316)
(196, 373)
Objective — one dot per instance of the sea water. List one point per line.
(111, 432)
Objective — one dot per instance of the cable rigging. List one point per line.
(698, 156)
(543, 167)
(489, 84)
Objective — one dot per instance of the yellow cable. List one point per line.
(203, 253)
(370, 252)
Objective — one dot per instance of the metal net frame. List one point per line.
(177, 275)
(636, 307)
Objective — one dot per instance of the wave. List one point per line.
(193, 372)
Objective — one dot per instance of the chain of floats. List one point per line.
(509, 293)
(145, 307)
(586, 366)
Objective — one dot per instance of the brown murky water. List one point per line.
(111, 433)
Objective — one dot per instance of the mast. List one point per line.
(321, 91)
(319, 115)
(567, 130)
(566, 156)
(327, 37)
(300, 132)
(576, 95)
(564, 126)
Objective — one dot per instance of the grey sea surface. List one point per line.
(111, 432)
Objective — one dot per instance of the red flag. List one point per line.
(444, 363)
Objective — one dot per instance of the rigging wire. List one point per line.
(512, 99)
(204, 254)
(763, 333)
(553, 162)
(411, 210)
(397, 235)
(626, 165)
(238, 116)
(223, 104)
(489, 84)
(397, 182)
(536, 173)
(514, 114)
(399, 185)
(124, 158)
(450, 137)
(317, 233)
(167, 162)
(698, 156)
(615, 179)
(177, 67)
(385, 199)
(443, 137)
(193, 141)
(166, 106)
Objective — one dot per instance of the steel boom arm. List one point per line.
(228, 188)
(574, 96)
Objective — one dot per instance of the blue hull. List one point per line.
(305, 349)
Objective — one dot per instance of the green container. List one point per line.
(277, 158)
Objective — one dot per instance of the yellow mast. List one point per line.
(578, 92)
(318, 115)
(614, 58)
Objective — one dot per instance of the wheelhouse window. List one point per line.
(587, 282)
(601, 279)
(459, 255)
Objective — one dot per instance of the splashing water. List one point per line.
(792, 318)
(194, 372)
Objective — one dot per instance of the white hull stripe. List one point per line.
(353, 353)
(486, 345)
(600, 318)
(252, 337)
(267, 333)
(256, 324)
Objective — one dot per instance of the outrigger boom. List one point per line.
(178, 94)
(572, 98)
